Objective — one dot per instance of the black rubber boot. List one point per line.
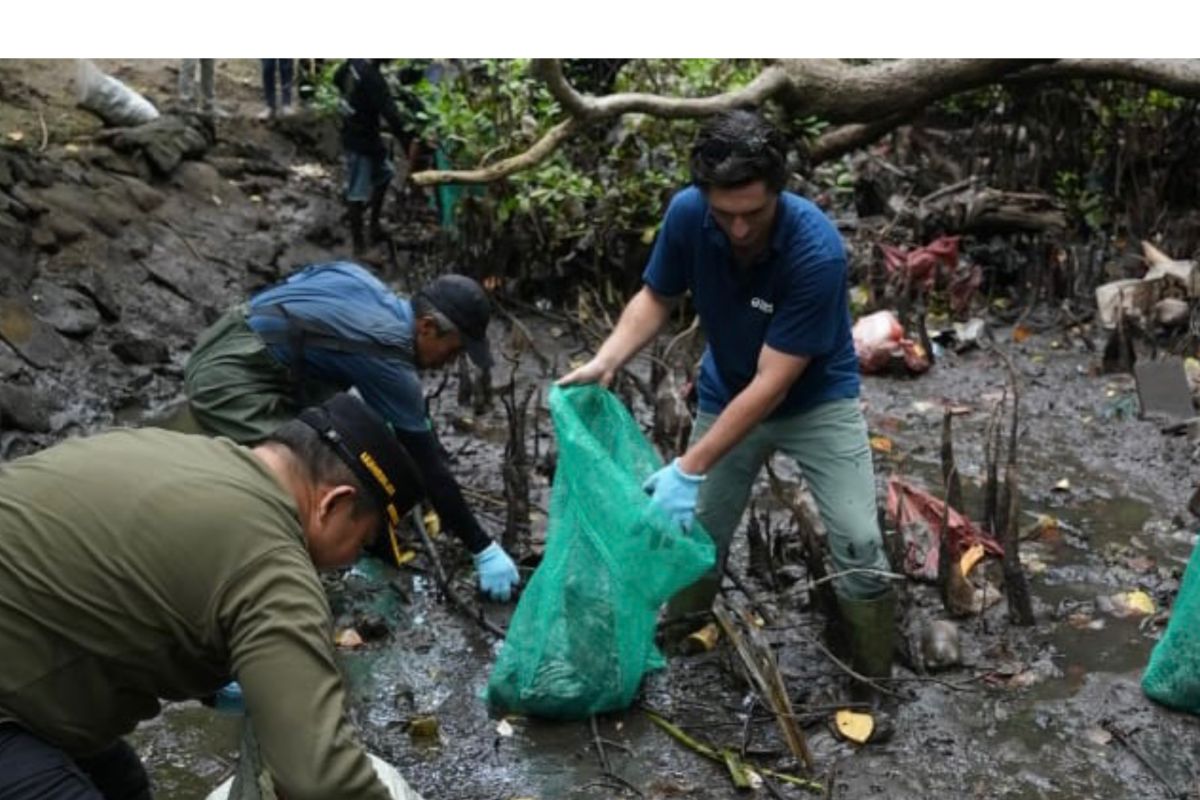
(871, 631)
(377, 233)
(356, 228)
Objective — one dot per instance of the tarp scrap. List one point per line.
(917, 515)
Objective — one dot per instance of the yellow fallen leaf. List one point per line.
(855, 726)
(1138, 601)
(16, 136)
(348, 638)
(881, 444)
(423, 727)
(1021, 333)
(703, 640)
(970, 558)
(433, 523)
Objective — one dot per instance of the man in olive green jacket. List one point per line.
(142, 565)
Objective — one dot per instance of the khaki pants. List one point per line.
(829, 444)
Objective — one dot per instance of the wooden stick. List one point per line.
(764, 672)
(444, 585)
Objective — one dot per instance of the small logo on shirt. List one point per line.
(762, 305)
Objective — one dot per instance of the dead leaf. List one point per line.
(425, 727)
(348, 638)
(16, 136)
(433, 523)
(854, 726)
(1021, 333)
(1135, 602)
(1097, 735)
(1063, 486)
(703, 640)
(881, 444)
(970, 558)
(504, 728)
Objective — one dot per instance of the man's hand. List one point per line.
(595, 371)
(498, 574)
(675, 491)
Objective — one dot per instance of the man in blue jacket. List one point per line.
(333, 326)
(767, 274)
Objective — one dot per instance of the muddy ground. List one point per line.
(116, 251)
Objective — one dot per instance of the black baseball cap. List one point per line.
(464, 303)
(361, 439)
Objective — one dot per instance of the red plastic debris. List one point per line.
(917, 515)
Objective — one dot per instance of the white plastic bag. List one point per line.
(110, 99)
(388, 774)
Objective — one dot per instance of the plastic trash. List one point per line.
(110, 99)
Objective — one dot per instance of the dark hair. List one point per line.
(321, 464)
(738, 147)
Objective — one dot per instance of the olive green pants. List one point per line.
(235, 387)
(829, 444)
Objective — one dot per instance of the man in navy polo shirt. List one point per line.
(767, 274)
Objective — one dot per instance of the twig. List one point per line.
(712, 753)
(764, 673)
(882, 573)
(524, 329)
(604, 765)
(444, 585)
(1120, 736)
(187, 242)
(45, 133)
(741, 587)
(846, 668)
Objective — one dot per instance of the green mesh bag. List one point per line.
(1173, 675)
(582, 634)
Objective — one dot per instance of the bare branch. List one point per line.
(1176, 75)
(769, 82)
(502, 169)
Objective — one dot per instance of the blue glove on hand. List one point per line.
(674, 491)
(497, 572)
(229, 700)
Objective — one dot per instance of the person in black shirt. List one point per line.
(365, 97)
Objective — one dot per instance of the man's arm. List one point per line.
(641, 320)
(275, 619)
(776, 373)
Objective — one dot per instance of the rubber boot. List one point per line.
(356, 228)
(871, 630)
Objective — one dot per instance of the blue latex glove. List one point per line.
(675, 491)
(229, 700)
(497, 572)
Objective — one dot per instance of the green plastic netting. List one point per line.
(1173, 674)
(582, 635)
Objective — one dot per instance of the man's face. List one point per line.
(335, 535)
(434, 348)
(745, 214)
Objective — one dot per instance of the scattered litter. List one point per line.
(880, 344)
(1126, 604)
(15, 136)
(702, 641)
(1097, 735)
(110, 99)
(504, 728)
(1063, 485)
(1162, 388)
(310, 169)
(940, 645)
(882, 444)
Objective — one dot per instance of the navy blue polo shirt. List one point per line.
(354, 303)
(794, 298)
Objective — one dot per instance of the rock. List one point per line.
(10, 365)
(92, 283)
(34, 340)
(68, 311)
(24, 408)
(143, 196)
(16, 271)
(198, 179)
(44, 239)
(65, 227)
(164, 142)
(940, 647)
(133, 349)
